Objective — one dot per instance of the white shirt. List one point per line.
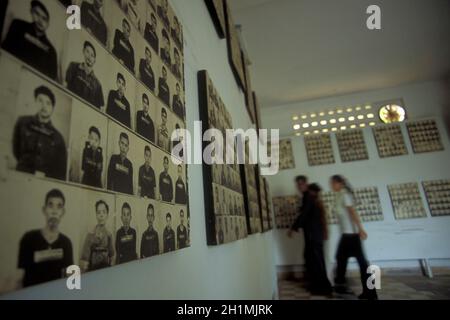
(344, 200)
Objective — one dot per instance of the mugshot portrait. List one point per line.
(135, 11)
(43, 234)
(170, 219)
(146, 111)
(39, 129)
(32, 33)
(88, 146)
(97, 232)
(120, 104)
(152, 29)
(127, 242)
(123, 36)
(148, 66)
(122, 159)
(151, 226)
(86, 69)
(93, 19)
(146, 156)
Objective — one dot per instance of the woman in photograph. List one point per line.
(352, 232)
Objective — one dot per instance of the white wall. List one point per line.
(389, 239)
(240, 270)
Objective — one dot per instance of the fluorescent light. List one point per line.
(360, 117)
(305, 125)
(353, 126)
(332, 121)
(307, 133)
(370, 116)
(334, 129)
(295, 118)
(325, 130)
(340, 111)
(315, 124)
(316, 131)
(349, 109)
(323, 122)
(362, 125)
(351, 118)
(341, 119)
(313, 115)
(304, 116)
(343, 128)
(331, 112)
(296, 126)
(368, 107)
(372, 124)
(322, 114)
(358, 108)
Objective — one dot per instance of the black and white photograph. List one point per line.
(163, 130)
(33, 34)
(39, 130)
(88, 146)
(149, 67)
(146, 108)
(150, 225)
(97, 232)
(135, 11)
(170, 220)
(42, 236)
(120, 102)
(127, 242)
(407, 201)
(145, 176)
(152, 29)
(93, 19)
(122, 153)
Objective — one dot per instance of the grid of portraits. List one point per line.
(390, 141)
(226, 219)
(352, 146)
(329, 199)
(424, 136)
(285, 210)
(251, 198)
(407, 201)
(263, 204)
(319, 149)
(438, 197)
(368, 204)
(269, 205)
(78, 117)
(286, 155)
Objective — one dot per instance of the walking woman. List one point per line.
(352, 232)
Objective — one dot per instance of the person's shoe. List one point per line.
(372, 295)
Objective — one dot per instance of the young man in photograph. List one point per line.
(150, 238)
(28, 41)
(98, 248)
(163, 133)
(182, 234)
(45, 253)
(176, 67)
(131, 8)
(92, 20)
(120, 169)
(146, 73)
(177, 103)
(163, 87)
(118, 106)
(123, 48)
(169, 235)
(165, 49)
(92, 161)
(126, 238)
(165, 183)
(150, 33)
(37, 145)
(176, 32)
(163, 10)
(81, 79)
(147, 180)
(180, 188)
(144, 123)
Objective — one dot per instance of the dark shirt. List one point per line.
(123, 50)
(177, 106)
(145, 126)
(126, 245)
(151, 37)
(177, 38)
(165, 57)
(309, 219)
(35, 50)
(182, 237)
(43, 261)
(120, 175)
(147, 75)
(92, 166)
(119, 108)
(176, 71)
(164, 92)
(180, 192)
(165, 187)
(163, 15)
(149, 243)
(169, 239)
(147, 182)
(93, 21)
(39, 147)
(85, 85)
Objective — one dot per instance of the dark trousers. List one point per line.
(350, 246)
(315, 267)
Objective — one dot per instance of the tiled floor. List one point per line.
(392, 288)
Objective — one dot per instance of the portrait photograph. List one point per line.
(152, 28)
(135, 11)
(88, 146)
(39, 129)
(146, 157)
(33, 33)
(97, 232)
(93, 19)
(151, 226)
(146, 113)
(86, 68)
(148, 66)
(40, 236)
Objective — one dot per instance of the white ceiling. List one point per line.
(310, 49)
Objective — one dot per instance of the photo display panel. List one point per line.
(263, 203)
(424, 136)
(368, 204)
(285, 209)
(352, 146)
(390, 141)
(86, 120)
(319, 149)
(287, 160)
(217, 11)
(249, 103)
(224, 200)
(269, 204)
(438, 197)
(407, 201)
